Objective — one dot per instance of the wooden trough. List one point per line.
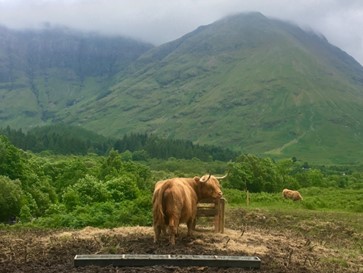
(212, 208)
(139, 260)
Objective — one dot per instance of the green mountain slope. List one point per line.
(245, 82)
(45, 71)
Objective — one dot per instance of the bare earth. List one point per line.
(279, 250)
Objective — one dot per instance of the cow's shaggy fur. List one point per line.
(175, 201)
(293, 195)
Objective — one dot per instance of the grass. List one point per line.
(315, 199)
(325, 218)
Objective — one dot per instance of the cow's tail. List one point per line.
(158, 203)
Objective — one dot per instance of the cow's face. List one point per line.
(209, 187)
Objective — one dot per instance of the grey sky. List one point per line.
(160, 21)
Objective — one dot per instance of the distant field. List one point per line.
(317, 199)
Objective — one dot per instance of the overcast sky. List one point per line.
(160, 21)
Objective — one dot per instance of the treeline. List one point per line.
(255, 174)
(66, 140)
(72, 191)
(113, 190)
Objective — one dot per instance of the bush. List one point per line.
(122, 188)
(234, 196)
(309, 205)
(10, 198)
(87, 190)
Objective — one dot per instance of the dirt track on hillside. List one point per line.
(279, 250)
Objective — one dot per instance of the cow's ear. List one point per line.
(196, 179)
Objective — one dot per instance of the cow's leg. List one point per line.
(191, 226)
(173, 230)
(157, 231)
(163, 230)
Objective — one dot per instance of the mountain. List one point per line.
(44, 71)
(246, 82)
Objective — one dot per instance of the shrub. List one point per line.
(234, 196)
(10, 198)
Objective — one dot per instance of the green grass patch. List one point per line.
(321, 199)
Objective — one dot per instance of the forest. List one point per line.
(51, 188)
(65, 139)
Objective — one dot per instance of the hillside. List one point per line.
(245, 82)
(45, 71)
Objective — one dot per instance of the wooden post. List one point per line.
(213, 208)
(247, 198)
(219, 217)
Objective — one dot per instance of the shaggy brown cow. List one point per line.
(175, 201)
(293, 195)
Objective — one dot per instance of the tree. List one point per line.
(87, 190)
(111, 166)
(311, 178)
(10, 198)
(255, 174)
(122, 188)
(11, 161)
(286, 168)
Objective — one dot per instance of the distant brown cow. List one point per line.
(175, 201)
(293, 195)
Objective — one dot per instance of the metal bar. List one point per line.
(137, 260)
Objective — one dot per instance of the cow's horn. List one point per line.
(207, 178)
(222, 177)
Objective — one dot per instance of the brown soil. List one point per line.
(279, 250)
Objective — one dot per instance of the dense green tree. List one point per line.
(11, 196)
(111, 165)
(64, 139)
(25, 214)
(140, 155)
(286, 168)
(66, 171)
(122, 188)
(11, 159)
(311, 178)
(87, 190)
(255, 174)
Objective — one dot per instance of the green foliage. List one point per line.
(181, 167)
(65, 139)
(122, 188)
(234, 196)
(311, 177)
(111, 166)
(136, 213)
(145, 145)
(318, 198)
(255, 174)
(116, 165)
(85, 191)
(113, 190)
(315, 198)
(59, 139)
(66, 171)
(25, 214)
(11, 159)
(11, 196)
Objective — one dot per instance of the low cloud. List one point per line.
(160, 21)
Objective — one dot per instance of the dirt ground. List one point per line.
(280, 250)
